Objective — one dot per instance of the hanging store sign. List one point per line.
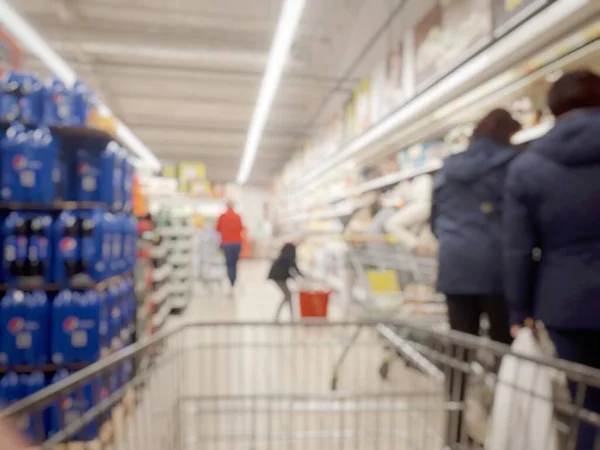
(190, 174)
(169, 170)
(449, 33)
(507, 14)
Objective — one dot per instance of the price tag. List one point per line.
(23, 340)
(88, 183)
(79, 339)
(27, 178)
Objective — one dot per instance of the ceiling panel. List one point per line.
(185, 74)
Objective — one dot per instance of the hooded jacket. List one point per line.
(282, 267)
(466, 218)
(553, 203)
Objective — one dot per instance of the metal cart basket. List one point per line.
(267, 386)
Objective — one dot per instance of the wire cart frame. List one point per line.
(267, 386)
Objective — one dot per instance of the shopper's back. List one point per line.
(229, 225)
(470, 236)
(557, 183)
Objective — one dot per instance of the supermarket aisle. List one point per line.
(256, 299)
(271, 386)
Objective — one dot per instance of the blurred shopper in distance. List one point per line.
(283, 268)
(466, 217)
(467, 220)
(552, 204)
(230, 226)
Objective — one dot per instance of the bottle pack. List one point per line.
(15, 247)
(76, 323)
(67, 247)
(25, 327)
(22, 98)
(29, 162)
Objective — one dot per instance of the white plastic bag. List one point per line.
(523, 411)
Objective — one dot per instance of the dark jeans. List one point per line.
(464, 314)
(583, 347)
(287, 298)
(232, 255)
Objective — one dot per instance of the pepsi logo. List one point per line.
(16, 325)
(83, 168)
(21, 240)
(19, 162)
(67, 403)
(67, 244)
(70, 324)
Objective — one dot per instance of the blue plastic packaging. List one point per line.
(32, 101)
(83, 99)
(89, 171)
(11, 85)
(76, 320)
(39, 255)
(58, 104)
(72, 407)
(15, 243)
(39, 317)
(11, 389)
(24, 321)
(92, 234)
(43, 164)
(14, 149)
(35, 426)
(22, 98)
(67, 253)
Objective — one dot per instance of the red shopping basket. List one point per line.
(314, 303)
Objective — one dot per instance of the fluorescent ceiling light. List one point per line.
(125, 135)
(31, 40)
(35, 44)
(280, 48)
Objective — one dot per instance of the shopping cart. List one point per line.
(266, 386)
(211, 261)
(393, 282)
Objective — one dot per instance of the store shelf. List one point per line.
(55, 206)
(532, 133)
(180, 302)
(180, 288)
(176, 232)
(159, 252)
(78, 282)
(162, 273)
(397, 177)
(180, 260)
(161, 294)
(182, 273)
(161, 316)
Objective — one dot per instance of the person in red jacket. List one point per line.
(229, 225)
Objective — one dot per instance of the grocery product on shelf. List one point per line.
(67, 236)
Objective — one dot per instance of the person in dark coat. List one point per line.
(552, 206)
(467, 220)
(283, 268)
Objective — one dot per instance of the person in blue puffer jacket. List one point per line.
(467, 220)
(552, 209)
